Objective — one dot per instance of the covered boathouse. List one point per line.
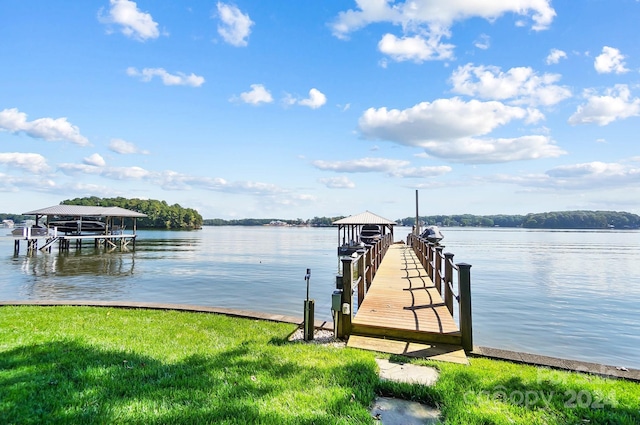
(350, 230)
(66, 223)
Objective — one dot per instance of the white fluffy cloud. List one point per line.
(494, 150)
(420, 172)
(31, 162)
(172, 180)
(49, 129)
(134, 23)
(521, 85)
(363, 165)
(483, 42)
(616, 103)
(315, 100)
(234, 26)
(449, 128)
(438, 13)
(341, 182)
(416, 48)
(588, 177)
(585, 169)
(113, 173)
(593, 175)
(425, 22)
(95, 160)
(391, 167)
(177, 79)
(257, 95)
(125, 148)
(441, 119)
(555, 55)
(610, 60)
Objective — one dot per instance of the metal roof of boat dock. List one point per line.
(85, 211)
(366, 217)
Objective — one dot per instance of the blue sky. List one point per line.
(321, 108)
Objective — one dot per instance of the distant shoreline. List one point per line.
(579, 219)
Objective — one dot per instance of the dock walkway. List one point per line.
(403, 312)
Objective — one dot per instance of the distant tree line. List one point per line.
(160, 215)
(313, 222)
(546, 220)
(164, 216)
(582, 220)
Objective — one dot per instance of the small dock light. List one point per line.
(308, 311)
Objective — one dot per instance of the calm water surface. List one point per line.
(572, 294)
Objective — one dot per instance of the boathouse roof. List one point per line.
(366, 217)
(85, 211)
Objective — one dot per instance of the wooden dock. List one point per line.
(404, 313)
(110, 235)
(64, 241)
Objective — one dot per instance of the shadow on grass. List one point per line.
(70, 382)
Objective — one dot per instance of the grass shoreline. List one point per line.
(566, 364)
(102, 365)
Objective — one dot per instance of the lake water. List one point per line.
(571, 294)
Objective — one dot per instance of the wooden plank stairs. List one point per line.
(403, 312)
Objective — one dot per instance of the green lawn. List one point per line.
(103, 365)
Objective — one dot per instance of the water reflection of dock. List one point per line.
(86, 274)
(69, 265)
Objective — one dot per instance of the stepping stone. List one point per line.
(392, 411)
(409, 373)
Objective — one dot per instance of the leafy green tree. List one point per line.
(159, 214)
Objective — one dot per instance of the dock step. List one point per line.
(442, 352)
(404, 334)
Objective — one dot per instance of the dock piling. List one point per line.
(464, 292)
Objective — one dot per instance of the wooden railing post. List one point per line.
(448, 280)
(429, 259)
(369, 268)
(464, 292)
(437, 276)
(344, 329)
(362, 276)
(372, 256)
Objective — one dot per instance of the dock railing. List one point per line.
(357, 273)
(444, 274)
